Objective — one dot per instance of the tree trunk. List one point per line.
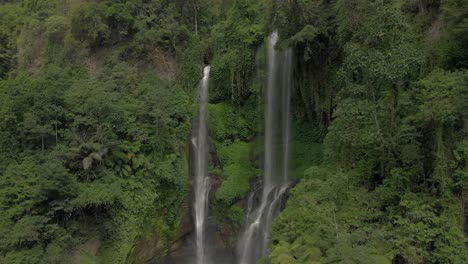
(465, 211)
(195, 16)
(56, 123)
(56, 132)
(376, 120)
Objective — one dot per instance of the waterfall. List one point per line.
(253, 243)
(202, 181)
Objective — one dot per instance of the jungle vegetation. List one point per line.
(97, 99)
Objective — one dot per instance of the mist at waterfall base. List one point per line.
(253, 243)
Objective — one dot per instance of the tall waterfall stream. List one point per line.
(263, 204)
(202, 180)
(253, 242)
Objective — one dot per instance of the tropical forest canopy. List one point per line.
(97, 99)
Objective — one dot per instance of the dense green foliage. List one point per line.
(79, 156)
(96, 100)
(92, 137)
(392, 186)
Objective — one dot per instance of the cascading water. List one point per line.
(202, 181)
(253, 243)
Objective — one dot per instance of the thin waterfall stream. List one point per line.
(202, 180)
(253, 242)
